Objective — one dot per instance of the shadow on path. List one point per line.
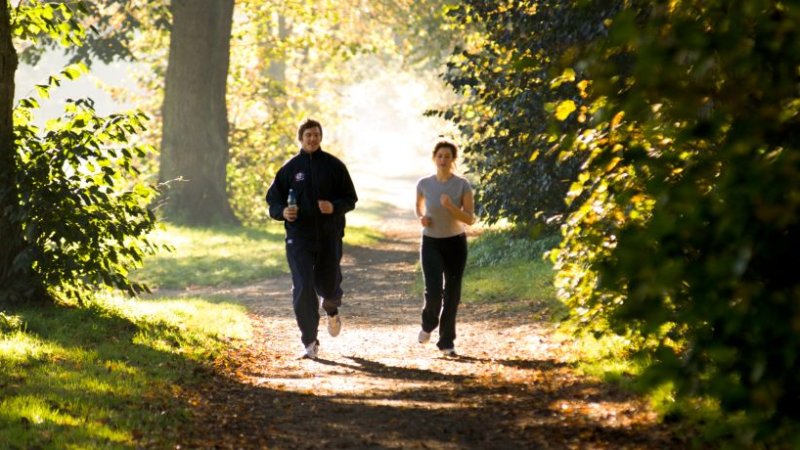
(440, 411)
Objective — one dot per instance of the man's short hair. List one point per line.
(308, 123)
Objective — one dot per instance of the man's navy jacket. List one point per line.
(313, 176)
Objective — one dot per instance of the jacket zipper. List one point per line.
(314, 196)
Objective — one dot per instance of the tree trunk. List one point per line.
(277, 67)
(17, 280)
(194, 146)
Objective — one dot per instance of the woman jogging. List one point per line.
(445, 203)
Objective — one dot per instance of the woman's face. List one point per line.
(443, 158)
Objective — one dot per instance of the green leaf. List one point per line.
(564, 109)
(567, 76)
(74, 71)
(29, 103)
(47, 13)
(43, 90)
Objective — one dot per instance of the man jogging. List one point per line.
(322, 192)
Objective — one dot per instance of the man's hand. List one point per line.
(325, 207)
(425, 221)
(290, 213)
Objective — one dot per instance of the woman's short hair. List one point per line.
(308, 123)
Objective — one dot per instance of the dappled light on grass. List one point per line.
(45, 414)
(214, 257)
(222, 257)
(361, 236)
(109, 375)
(64, 391)
(185, 324)
(501, 266)
(510, 281)
(18, 347)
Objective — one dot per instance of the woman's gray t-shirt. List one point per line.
(444, 224)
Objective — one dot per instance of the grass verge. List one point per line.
(107, 375)
(224, 256)
(214, 256)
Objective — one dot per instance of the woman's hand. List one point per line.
(464, 213)
(425, 221)
(446, 202)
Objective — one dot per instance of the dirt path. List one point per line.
(375, 387)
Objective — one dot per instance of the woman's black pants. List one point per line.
(443, 262)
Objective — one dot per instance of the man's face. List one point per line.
(310, 139)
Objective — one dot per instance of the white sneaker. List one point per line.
(448, 352)
(312, 350)
(334, 325)
(423, 337)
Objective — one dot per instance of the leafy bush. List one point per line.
(85, 216)
(74, 214)
(688, 222)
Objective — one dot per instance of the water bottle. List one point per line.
(291, 200)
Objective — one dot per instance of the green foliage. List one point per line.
(498, 246)
(85, 222)
(107, 28)
(34, 21)
(682, 229)
(688, 225)
(505, 74)
(423, 34)
(9, 323)
(110, 374)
